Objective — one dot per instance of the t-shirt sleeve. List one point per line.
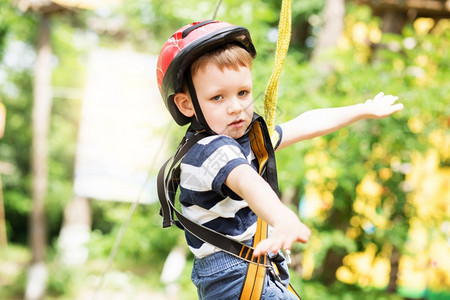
(276, 137)
(209, 162)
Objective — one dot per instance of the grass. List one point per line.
(125, 279)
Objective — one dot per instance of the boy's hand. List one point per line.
(285, 233)
(287, 228)
(382, 106)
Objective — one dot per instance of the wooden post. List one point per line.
(3, 239)
(37, 272)
(75, 232)
(40, 123)
(333, 15)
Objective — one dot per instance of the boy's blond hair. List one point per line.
(229, 56)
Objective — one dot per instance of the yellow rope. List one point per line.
(284, 37)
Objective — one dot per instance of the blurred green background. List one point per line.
(375, 194)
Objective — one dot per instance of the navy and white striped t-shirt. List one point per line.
(206, 199)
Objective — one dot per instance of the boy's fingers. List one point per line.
(268, 245)
(391, 99)
(378, 96)
(263, 247)
(275, 243)
(257, 251)
(397, 107)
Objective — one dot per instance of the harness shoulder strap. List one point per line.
(254, 279)
(166, 211)
(262, 146)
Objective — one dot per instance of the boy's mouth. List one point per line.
(237, 123)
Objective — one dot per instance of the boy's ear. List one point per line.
(184, 104)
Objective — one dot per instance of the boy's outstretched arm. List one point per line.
(287, 228)
(323, 121)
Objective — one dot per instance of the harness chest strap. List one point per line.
(167, 185)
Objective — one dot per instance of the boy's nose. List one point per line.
(235, 106)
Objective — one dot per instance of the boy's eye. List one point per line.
(242, 93)
(216, 98)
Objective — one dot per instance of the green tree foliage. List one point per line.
(147, 248)
(17, 41)
(354, 187)
(358, 173)
(17, 55)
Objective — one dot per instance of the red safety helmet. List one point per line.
(184, 47)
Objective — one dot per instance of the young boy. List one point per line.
(204, 76)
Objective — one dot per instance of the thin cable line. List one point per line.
(217, 9)
(131, 212)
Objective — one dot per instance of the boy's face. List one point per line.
(225, 98)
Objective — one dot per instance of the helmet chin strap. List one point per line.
(198, 122)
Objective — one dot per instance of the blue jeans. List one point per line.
(221, 276)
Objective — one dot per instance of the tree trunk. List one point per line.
(40, 126)
(40, 123)
(289, 196)
(333, 18)
(394, 260)
(3, 239)
(393, 21)
(75, 232)
(332, 262)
